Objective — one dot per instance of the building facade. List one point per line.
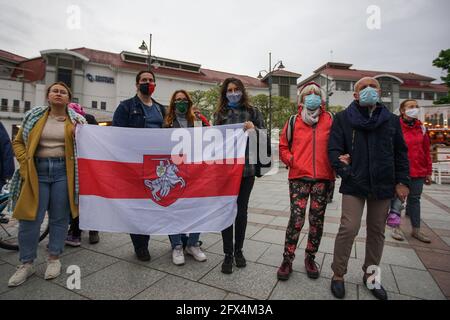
(338, 80)
(100, 80)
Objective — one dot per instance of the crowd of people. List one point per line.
(382, 159)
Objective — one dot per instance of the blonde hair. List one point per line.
(306, 91)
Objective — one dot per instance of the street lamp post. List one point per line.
(148, 48)
(280, 65)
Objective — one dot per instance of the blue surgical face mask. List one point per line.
(234, 98)
(313, 101)
(368, 97)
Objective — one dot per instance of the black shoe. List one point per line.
(143, 254)
(378, 290)
(338, 288)
(227, 265)
(240, 259)
(93, 237)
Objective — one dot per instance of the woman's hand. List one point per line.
(428, 180)
(345, 159)
(402, 191)
(248, 125)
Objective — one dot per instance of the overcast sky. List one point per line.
(236, 35)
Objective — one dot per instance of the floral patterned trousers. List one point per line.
(300, 191)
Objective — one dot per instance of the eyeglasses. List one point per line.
(59, 91)
(181, 100)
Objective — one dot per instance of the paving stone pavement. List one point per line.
(109, 270)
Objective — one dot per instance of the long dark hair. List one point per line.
(190, 117)
(223, 101)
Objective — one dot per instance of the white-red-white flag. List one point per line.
(159, 181)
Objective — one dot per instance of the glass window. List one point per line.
(16, 106)
(51, 61)
(343, 85)
(441, 95)
(285, 91)
(64, 63)
(428, 95)
(27, 106)
(65, 75)
(404, 94)
(103, 105)
(4, 105)
(416, 95)
(94, 104)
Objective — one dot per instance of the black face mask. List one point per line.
(147, 88)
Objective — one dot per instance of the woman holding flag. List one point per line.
(234, 107)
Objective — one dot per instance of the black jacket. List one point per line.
(240, 115)
(379, 157)
(7, 156)
(130, 113)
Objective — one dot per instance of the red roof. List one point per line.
(286, 73)
(205, 75)
(342, 71)
(11, 56)
(427, 86)
(353, 74)
(33, 69)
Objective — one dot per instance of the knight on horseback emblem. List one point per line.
(166, 181)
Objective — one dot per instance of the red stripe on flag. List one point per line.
(120, 180)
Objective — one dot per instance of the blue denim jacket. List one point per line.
(130, 113)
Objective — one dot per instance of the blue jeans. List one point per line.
(54, 198)
(179, 239)
(412, 202)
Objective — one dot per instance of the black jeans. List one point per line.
(240, 223)
(140, 241)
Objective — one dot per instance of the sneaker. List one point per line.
(312, 267)
(53, 269)
(420, 236)
(393, 219)
(196, 252)
(24, 271)
(73, 241)
(178, 256)
(227, 265)
(93, 237)
(397, 234)
(285, 270)
(142, 254)
(240, 259)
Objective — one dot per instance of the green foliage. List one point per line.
(443, 62)
(206, 100)
(335, 109)
(282, 108)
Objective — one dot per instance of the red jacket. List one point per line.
(308, 157)
(418, 143)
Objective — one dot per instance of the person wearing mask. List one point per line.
(420, 165)
(367, 150)
(141, 111)
(46, 181)
(74, 235)
(305, 152)
(234, 107)
(180, 115)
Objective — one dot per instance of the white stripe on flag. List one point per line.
(130, 144)
(146, 217)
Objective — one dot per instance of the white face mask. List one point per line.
(412, 113)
